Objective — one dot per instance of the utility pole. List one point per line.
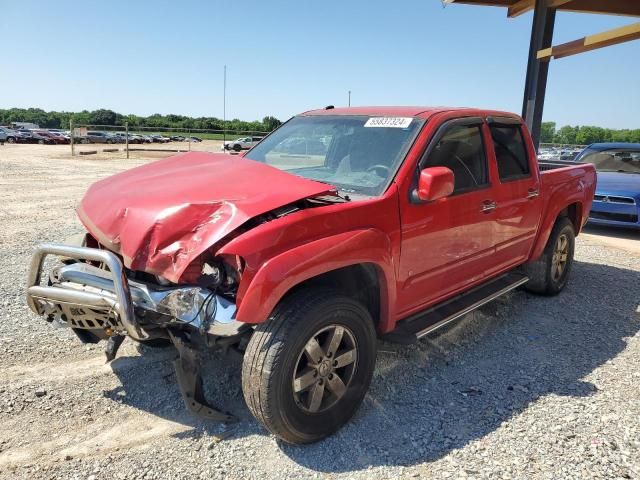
(349, 98)
(126, 137)
(224, 108)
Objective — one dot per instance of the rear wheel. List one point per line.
(237, 147)
(550, 273)
(307, 369)
(11, 140)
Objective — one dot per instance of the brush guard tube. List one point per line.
(123, 306)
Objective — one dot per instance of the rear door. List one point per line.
(516, 190)
(447, 244)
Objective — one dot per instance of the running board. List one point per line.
(421, 324)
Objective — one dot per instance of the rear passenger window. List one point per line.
(461, 150)
(511, 153)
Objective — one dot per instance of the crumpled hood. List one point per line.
(163, 215)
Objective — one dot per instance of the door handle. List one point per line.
(488, 206)
(532, 193)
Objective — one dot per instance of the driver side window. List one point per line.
(462, 151)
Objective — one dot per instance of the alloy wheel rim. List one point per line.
(560, 257)
(325, 369)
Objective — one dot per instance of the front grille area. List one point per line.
(614, 199)
(618, 217)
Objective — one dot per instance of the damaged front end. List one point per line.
(92, 293)
(149, 267)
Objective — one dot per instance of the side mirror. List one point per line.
(434, 183)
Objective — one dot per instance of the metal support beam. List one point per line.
(537, 71)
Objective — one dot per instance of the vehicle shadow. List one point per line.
(450, 389)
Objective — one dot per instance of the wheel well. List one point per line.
(359, 282)
(574, 213)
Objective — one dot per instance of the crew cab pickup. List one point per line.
(407, 219)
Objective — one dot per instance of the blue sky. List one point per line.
(284, 57)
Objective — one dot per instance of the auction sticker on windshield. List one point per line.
(389, 122)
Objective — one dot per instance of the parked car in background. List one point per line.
(41, 137)
(244, 143)
(617, 198)
(3, 137)
(177, 138)
(10, 135)
(63, 134)
(160, 139)
(27, 136)
(99, 137)
(47, 137)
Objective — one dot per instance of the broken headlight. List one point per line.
(222, 273)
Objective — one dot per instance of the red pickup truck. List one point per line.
(341, 227)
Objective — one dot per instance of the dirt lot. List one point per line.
(528, 387)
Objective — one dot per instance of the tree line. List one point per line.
(110, 118)
(578, 135)
(585, 135)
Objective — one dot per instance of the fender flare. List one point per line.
(550, 220)
(278, 275)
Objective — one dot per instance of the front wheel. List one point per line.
(550, 273)
(307, 369)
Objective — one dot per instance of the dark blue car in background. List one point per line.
(617, 198)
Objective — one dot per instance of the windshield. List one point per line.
(356, 154)
(624, 161)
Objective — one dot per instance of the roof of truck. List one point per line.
(400, 111)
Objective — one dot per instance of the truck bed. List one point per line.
(555, 164)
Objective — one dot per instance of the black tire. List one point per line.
(543, 275)
(11, 140)
(237, 147)
(277, 348)
(40, 142)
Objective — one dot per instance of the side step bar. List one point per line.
(421, 324)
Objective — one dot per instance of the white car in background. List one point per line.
(244, 143)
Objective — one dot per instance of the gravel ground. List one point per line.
(527, 387)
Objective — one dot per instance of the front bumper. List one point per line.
(99, 297)
(98, 300)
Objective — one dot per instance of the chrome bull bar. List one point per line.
(123, 305)
(111, 290)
